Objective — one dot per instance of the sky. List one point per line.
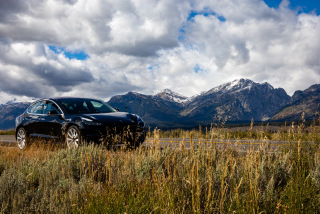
(102, 48)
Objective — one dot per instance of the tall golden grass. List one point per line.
(203, 179)
(7, 132)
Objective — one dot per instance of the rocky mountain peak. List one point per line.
(172, 96)
(237, 86)
(301, 103)
(11, 101)
(313, 88)
(233, 86)
(298, 95)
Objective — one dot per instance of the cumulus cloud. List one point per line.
(148, 45)
(137, 28)
(34, 70)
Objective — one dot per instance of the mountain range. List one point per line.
(9, 112)
(234, 102)
(302, 104)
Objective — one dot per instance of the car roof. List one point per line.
(64, 98)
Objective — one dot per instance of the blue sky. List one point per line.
(305, 6)
(77, 54)
(206, 12)
(103, 48)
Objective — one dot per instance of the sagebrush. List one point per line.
(92, 179)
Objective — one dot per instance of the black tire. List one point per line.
(73, 137)
(22, 138)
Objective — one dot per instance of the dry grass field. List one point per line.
(92, 179)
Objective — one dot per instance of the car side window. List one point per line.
(99, 107)
(79, 108)
(49, 106)
(37, 108)
(85, 108)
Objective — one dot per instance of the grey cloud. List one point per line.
(23, 86)
(70, 1)
(9, 9)
(147, 47)
(62, 79)
(241, 54)
(36, 74)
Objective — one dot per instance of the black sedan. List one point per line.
(78, 120)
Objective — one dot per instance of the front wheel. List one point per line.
(22, 138)
(73, 137)
(134, 144)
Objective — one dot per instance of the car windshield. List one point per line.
(84, 106)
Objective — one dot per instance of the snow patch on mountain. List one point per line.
(236, 86)
(172, 96)
(192, 98)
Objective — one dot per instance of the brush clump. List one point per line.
(202, 178)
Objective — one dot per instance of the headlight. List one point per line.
(139, 121)
(90, 122)
(18, 120)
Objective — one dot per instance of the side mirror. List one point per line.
(117, 109)
(53, 113)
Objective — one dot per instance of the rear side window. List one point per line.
(49, 106)
(36, 108)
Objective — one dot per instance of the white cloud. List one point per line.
(149, 45)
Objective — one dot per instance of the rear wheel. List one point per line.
(22, 138)
(73, 137)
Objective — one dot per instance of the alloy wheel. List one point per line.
(22, 138)
(73, 137)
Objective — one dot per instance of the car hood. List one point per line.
(113, 118)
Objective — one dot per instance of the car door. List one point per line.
(34, 119)
(52, 125)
